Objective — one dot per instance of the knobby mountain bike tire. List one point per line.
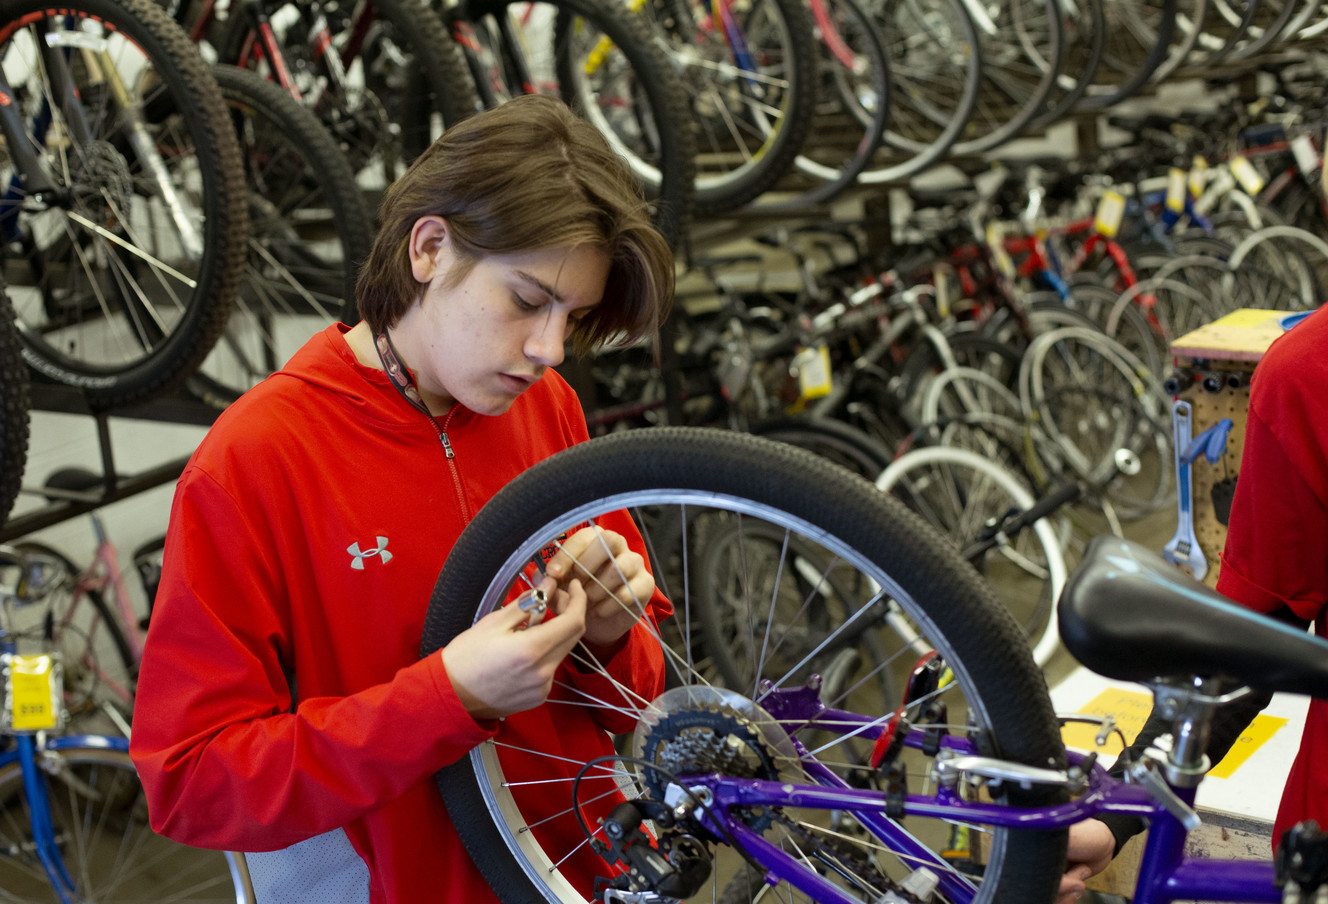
(123, 273)
(884, 556)
(109, 850)
(14, 402)
(310, 230)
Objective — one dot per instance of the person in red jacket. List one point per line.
(1273, 561)
(283, 709)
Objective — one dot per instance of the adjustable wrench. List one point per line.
(1183, 548)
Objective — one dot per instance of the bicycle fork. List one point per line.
(43, 824)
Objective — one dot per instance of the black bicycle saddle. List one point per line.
(1127, 613)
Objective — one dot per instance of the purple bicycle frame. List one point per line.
(1166, 874)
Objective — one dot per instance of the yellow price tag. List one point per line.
(33, 692)
(1198, 176)
(941, 279)
(996, 242)
(1246, 175)
(1110, 212)
(814, 377)
(1176, 190)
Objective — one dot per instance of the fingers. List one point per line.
(585, 554)
(610, 570)
(1072, 884)
(500, 666)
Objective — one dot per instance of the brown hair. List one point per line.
(525, 176)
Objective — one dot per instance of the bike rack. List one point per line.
(116, 486)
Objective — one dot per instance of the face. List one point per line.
(489, 338)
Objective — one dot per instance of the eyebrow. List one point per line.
(548, 290)
(541, 285)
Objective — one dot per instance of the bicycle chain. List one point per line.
(860, 870)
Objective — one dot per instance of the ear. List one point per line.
(430, 248)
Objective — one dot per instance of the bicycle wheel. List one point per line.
(1270, 267)
(834, 440)
(309, 230)
(1085, 42)
(383, 78)
(936, 70)
(854, 107)
(960, 493)
(1093, 398)
(100, 666)
(1023, 48)
(750, 71)
(123, 270)
(611, 71)
(101, 825)
(891, 568)
(1139, 37)
(13, 408)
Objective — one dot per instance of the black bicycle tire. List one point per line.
(1129, 86)
(924, 358)
(1030, 106)
(1199, 65)
(182, 71)
(922, 155)
(674, 197)
(14, 405)
(1269, 36)
(1061, 104)
(775, 159)
(844, 442)
(249, 95)
(872, 53)
(784, 479)
(66, 759)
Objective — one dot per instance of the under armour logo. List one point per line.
(358, 556)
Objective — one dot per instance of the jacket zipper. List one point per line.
(451, 462)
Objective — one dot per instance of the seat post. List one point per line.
(1190, 707)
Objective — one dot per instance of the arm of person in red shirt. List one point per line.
(228, 758)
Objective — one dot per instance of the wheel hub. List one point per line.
(101, 187)
(694, 730)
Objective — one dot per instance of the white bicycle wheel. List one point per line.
(960, 492)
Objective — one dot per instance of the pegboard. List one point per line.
(1213, 368)
(1207, 408)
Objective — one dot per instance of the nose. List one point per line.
(545, 344)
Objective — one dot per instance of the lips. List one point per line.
(519, 382)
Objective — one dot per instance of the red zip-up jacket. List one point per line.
(1276, 552)
(282, 706)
